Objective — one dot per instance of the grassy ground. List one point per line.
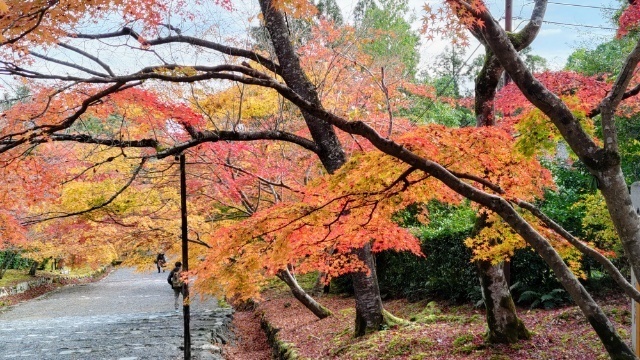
(436, 331)
(12, 277)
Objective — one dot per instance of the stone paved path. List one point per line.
(126, 316)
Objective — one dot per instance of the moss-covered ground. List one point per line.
(435, 331)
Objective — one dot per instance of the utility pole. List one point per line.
(185, 256)
(634, 191)
(508, 16)
(508, 27)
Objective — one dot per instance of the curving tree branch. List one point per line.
(609, 104)
(89, 56)
(224, 49)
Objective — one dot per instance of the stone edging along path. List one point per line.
(38, 281)
(19, 288)
(280, 350)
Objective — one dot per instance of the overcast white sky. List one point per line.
(569, 24)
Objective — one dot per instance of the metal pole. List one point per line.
(185, 257)
(508, 14)
(634, 191)
(508, 18)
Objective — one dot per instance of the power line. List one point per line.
(577, 5)
(579, 25)
(568, 24)
(583, 6)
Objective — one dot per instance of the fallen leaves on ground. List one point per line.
(250, 341)
(437, 331)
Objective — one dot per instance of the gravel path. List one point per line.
(126, 316)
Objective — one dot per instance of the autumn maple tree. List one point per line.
(149, 129)
(356, 204)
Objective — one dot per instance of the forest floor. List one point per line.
(436, 331)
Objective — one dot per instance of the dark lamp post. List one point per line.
(185, 256)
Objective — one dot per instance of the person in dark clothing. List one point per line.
(176, 283)
(161, 261)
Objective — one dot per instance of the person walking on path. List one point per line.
(161, 261)
(177, 284)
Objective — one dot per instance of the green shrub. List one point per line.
(553, 298)
(342, 285)
(16, 261)
(530, 271)
(446, 272)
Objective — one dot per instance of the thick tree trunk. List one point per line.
(626, 221)
(485, 91)
(607, 333)
(299, 293)
(369, 312)
(34, 267)
(602, 163)
(330, 150)
(504, 326)
(503, 323)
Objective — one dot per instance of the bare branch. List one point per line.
(88, 139)
(37, 132)
(93, 166)
(87, 55)
(198, 241)
(68, 64)
(228, 50)
(39, 15)
(385, 91)
(479, 180)
(633, 92)
(266, 181)
(215, 136)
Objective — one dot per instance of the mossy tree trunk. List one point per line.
(329, 149)
(299, 293)
(503, 323)
(33, 268)
(369, 311)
